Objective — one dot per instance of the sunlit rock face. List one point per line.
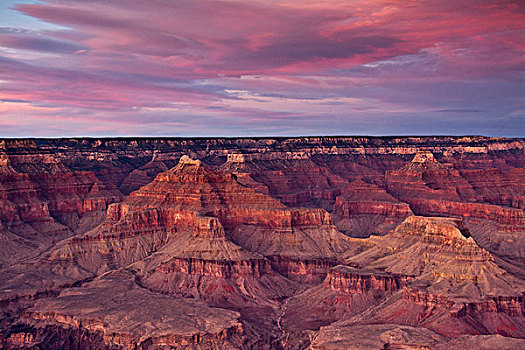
(300, 243)
(364, 208)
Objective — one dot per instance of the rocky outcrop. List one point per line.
(350, 280)
(509, 218)
(455, 287)
(42, 201)
(289, 176)
(309, 146)
(431, 188)
(361, 198)
(345, 292)
(363, 209)
(510, 305)
(495, 186)
(344, 335)
(118, 320)
(175, 232)
(304, 270)
(426, 299)
(439, 253)
(217, 268)
(452, 316)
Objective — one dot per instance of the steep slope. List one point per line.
(363, 209)
(425, 273)
(174, 234)
(489, 200)
(42, 201)
(292, 178)
(109, 313)
(432, 188)
(441, 257)
(250, 219)
(454, 286)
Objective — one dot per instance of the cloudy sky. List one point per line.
(269, 67)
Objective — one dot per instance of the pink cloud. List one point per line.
(143, 58)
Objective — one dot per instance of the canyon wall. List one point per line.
(262, 243)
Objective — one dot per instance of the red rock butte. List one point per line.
(262, 243)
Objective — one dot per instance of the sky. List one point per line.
(262, 68)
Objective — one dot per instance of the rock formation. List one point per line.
(262, 243)
(363, 209)
(451, 279)
(111, 309)
(42, 201)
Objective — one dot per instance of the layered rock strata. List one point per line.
(110, 310)
(42, 201)
(363, 209)
(434, 189)
(456, 285)
(219, 247)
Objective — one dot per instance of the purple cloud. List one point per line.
(273, 67)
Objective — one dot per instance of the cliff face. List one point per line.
(452, 284)
(42, 201)
(433, 189)
(117, 321)
(215, 263)
(178, 235)
(285, 243)
(433, 250)
(299, 147)
(364, 208)
(349, 280)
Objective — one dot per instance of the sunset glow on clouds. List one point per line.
(243, 68)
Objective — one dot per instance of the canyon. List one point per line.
(262, 243)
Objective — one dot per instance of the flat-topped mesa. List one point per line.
(444, 228)
(191, 171)
(185, 160)
(186, 166)
(424, 157)
(442, 234)
(423, 161)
